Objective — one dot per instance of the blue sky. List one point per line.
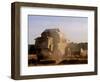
(75, 29)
